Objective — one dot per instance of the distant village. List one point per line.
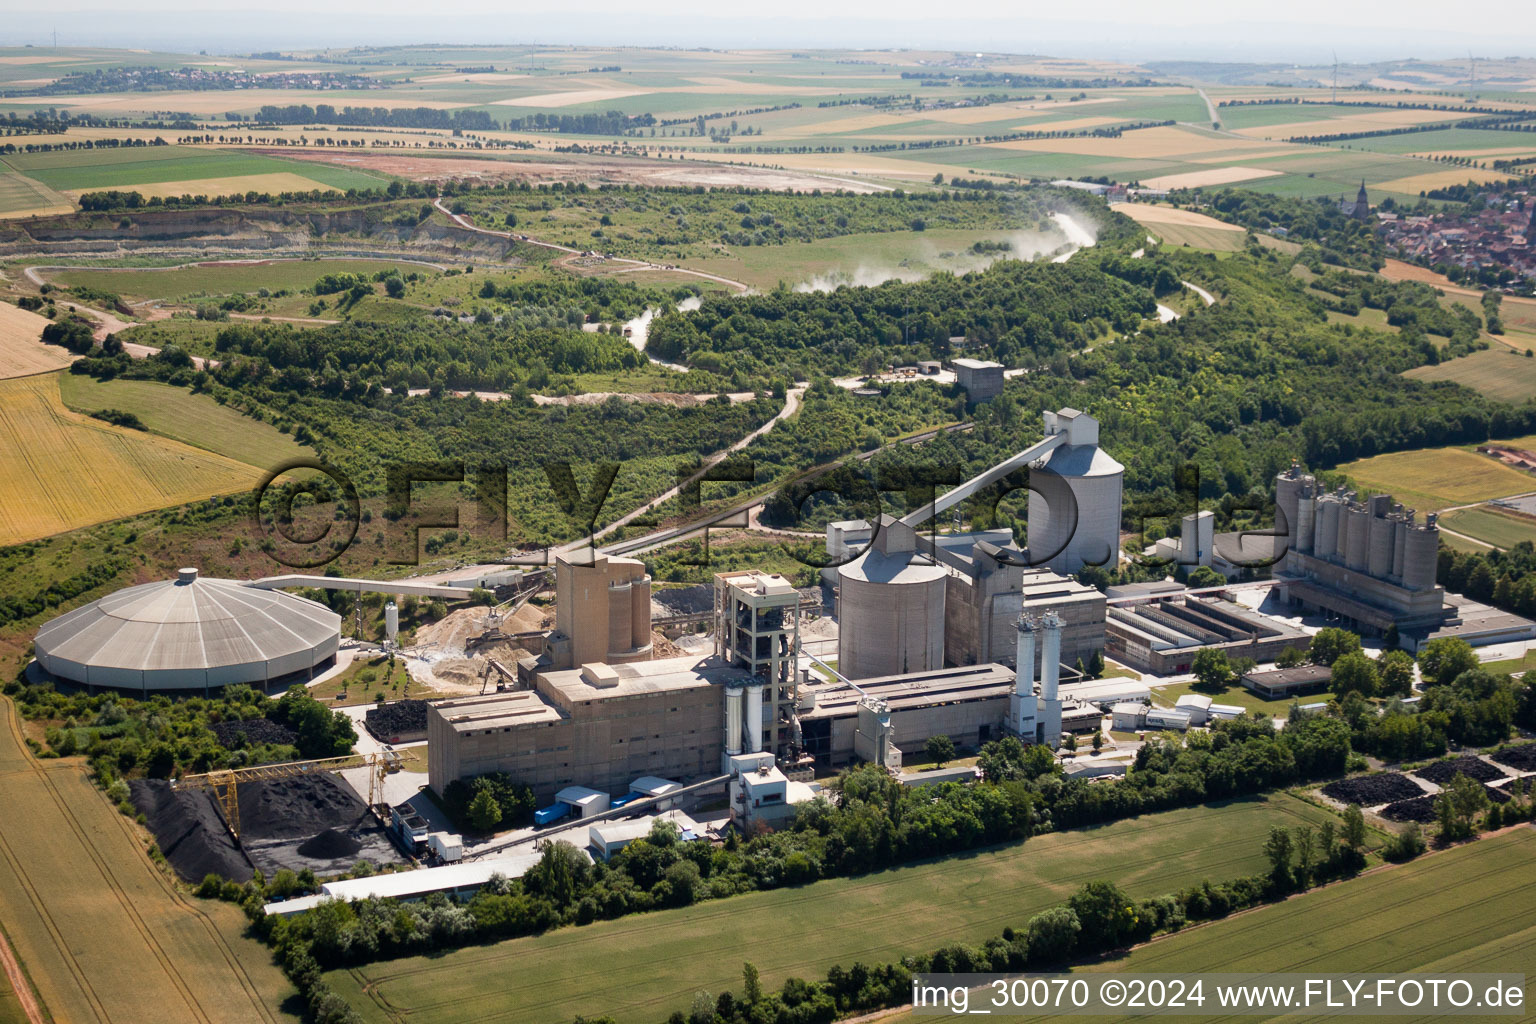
(1490, 241)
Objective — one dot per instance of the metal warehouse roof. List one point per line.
(186, 627)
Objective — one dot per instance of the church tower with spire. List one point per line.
(1362, 210)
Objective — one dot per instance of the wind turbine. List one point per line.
(1335, 76)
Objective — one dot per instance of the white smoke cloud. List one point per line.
(1068, 234)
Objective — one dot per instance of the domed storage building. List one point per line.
(190, 633)
(890, 607)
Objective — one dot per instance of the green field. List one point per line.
(1495, 372)
(1239, 695)
(124, 168)
(1198, 237)
(19, 193)
(1467, 909)
(1429, 479)
(641, 967)
(204, 280)
(179, 414)
(1493, 526)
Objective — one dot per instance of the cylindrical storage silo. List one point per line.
(1420, 556)
(640, 612)
(1287, 502)
(753, 713)
(733, 719)
(1399, 543)
(1379, 563)
(1024, 662)
(391, 621)
(1358, 552)
(1327, 540)
(1074, 509)
(890, 610)
(1305, 519)
(618, 619)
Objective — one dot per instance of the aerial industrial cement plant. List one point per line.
(958, 634)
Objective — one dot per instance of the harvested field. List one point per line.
(1430, 479)
(100, 930)
(1521, 757)
(21, 351)
(93, 472)
(1496, 373)
(1441, 772)
(1370, 790)
(1152, 213)
(1416, 183)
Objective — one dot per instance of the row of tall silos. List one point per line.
(1377, 538)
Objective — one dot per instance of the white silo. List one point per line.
(391, 621)
(733, 720)
(1074, 500)
(754, 717)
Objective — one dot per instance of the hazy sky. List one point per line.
(1304, 31)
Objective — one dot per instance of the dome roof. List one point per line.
(1083, 460)
(189, 631)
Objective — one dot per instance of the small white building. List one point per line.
(446, 846)
(649, 786)
(584, 802)
(1196, 705)
(1128, 716)
(1225, 712)
(609, 838)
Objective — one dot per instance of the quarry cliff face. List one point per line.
(255, 230)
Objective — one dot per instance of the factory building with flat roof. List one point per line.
(1162, 634)
(597, 726)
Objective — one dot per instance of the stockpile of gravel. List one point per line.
(1476, 768)
(1370, 790)
(189, 829)
(255, 731)
(397, 718)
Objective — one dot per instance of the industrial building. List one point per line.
(602, 611)
(1371, 565)
(981, 379)
(757, 629)
(190, 633)
(1161, 634)
(1277, 684)
(598, 726)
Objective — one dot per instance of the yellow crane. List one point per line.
(225, 783)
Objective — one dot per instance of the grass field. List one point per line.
(1497, 373)
(638, 969)
(103, 933)
(1430, 479)
(220, 278)
(1239, 695)
(65, 470)
(1464, 910)
(20, 195)
(21, 350)
(1493, 526)
(190, 418)
(128, 168)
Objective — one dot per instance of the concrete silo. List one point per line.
(1358, 552)
(1074, 501)
(890, 607)
(1421, 554)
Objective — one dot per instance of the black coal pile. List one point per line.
(299, 808)
(1476, 768)
(1370, 790)
(328, 845)
(1420, 809)
(255, 731)
(397, 718)
(189, 830)
(1521, 758)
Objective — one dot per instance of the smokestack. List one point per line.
(1050, 656)
(1024, 671)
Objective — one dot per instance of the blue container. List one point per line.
(552, 813)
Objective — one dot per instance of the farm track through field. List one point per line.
(1230, 853)
(100, 1003)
